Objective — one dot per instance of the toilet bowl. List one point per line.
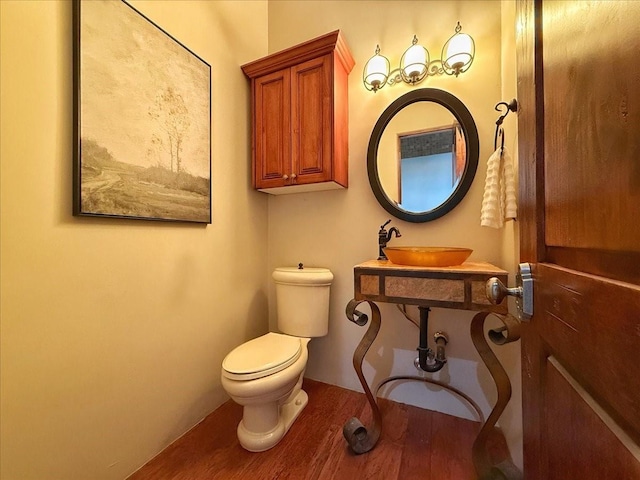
(272, 398)
(265, 374)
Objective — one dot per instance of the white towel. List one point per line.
(499, 200)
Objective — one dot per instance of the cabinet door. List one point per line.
(311, 113)
(272, 138)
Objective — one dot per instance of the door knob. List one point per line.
(496, 291)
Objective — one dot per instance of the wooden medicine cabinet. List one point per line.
(299, 100)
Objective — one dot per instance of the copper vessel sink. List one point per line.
(427, 256)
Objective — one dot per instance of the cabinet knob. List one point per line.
(293, 176)
(285, 177)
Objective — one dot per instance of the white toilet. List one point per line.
(265, 374)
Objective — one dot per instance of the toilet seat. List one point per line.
(261, 356)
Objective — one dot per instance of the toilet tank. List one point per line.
(302, 300)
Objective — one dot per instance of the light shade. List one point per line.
(458, 53)
(376, 71)
(414, 62)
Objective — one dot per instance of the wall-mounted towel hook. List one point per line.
(512, 106)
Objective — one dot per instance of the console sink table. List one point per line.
(461, 287)
(458, 287)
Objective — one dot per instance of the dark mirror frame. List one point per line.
(464, 118)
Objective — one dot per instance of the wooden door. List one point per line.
(271, 133)
(579, 157)
(311, 113)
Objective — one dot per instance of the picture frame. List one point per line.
(142, 118)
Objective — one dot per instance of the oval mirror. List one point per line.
(423, 155)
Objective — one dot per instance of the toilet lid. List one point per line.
(261, 356)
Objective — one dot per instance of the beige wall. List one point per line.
(338, 229)
(113, 331)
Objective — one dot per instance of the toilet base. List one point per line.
(287, 413)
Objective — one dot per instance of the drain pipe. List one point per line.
(428, 360)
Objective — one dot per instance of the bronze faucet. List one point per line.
(384, 237)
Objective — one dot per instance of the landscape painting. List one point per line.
(142, 118)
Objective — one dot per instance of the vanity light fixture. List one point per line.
(376, 71)
(457, 55)
(414, 63)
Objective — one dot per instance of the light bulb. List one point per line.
(414, 61)
(459, 51)
(376, 71)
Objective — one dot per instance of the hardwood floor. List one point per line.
(415, 444)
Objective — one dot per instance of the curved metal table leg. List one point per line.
(361, 439)
(504, 470)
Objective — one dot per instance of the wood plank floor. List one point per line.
(415, 444)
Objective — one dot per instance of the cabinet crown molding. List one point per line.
(314, 48)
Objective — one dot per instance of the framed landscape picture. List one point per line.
(142, 105)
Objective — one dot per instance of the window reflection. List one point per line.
(420, 168)
(431, 163)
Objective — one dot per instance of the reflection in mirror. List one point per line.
(423, 155)
(430, 167)
(419, 168)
